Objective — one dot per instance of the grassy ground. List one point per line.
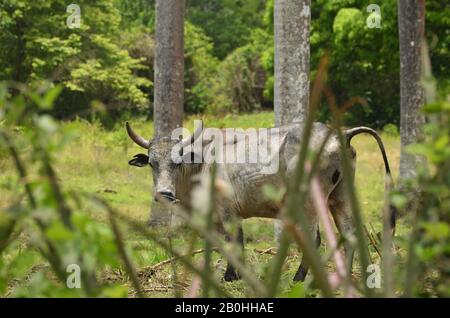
(95, 161)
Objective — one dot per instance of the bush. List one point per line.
(391, 130)
(200, 69)
(88, 60)
(47, 224)
(430, 254)
(241, 79)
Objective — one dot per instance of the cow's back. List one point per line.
(248, 182)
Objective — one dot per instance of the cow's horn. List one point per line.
(136, 138)
(190, 140)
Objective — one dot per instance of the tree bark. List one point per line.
(411, 22)
(169, 66)
(292, 55)
(292, 19)
(168, 81)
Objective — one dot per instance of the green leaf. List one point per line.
(399, 200)
(47, 124)
(50, 97)
(436, 230)
(274, 194)
(58, 232)
(115, 291)
(297, 291)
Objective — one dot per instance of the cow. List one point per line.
(174, 180)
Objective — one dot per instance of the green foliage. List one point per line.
(229, 54)
(372, 58)
(227, 22)
(137, 13)
(240, 86)
(432, 247)
(438, 20)
(363, 62)
(45, 225)
(200, 68)
(200, 64)
(391, 129)
(346, 22)
(88, 60)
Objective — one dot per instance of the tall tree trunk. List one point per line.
(169, 66)
(292, 55)
(411, 22)
(292, 19)
(169, 79)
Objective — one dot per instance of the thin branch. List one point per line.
(271, 250)
(155, 267)
(19, 167)
(372, 241)
(175, 258)
(63, 209)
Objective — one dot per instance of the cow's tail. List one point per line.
(349, 134)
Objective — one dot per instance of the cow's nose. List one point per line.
(165, 194)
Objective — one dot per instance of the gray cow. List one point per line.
(174, 181)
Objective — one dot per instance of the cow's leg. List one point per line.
(303, 269)
(231, 273)
(340, 208)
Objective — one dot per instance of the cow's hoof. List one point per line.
(231, 275)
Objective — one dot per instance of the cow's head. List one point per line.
(167, 171)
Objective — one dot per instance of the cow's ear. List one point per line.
(139, 160)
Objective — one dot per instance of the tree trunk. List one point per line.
(169, 79)
(292, 54)
(292, 20)
(411, 22)
(169, 66)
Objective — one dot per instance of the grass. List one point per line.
(95, 161)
